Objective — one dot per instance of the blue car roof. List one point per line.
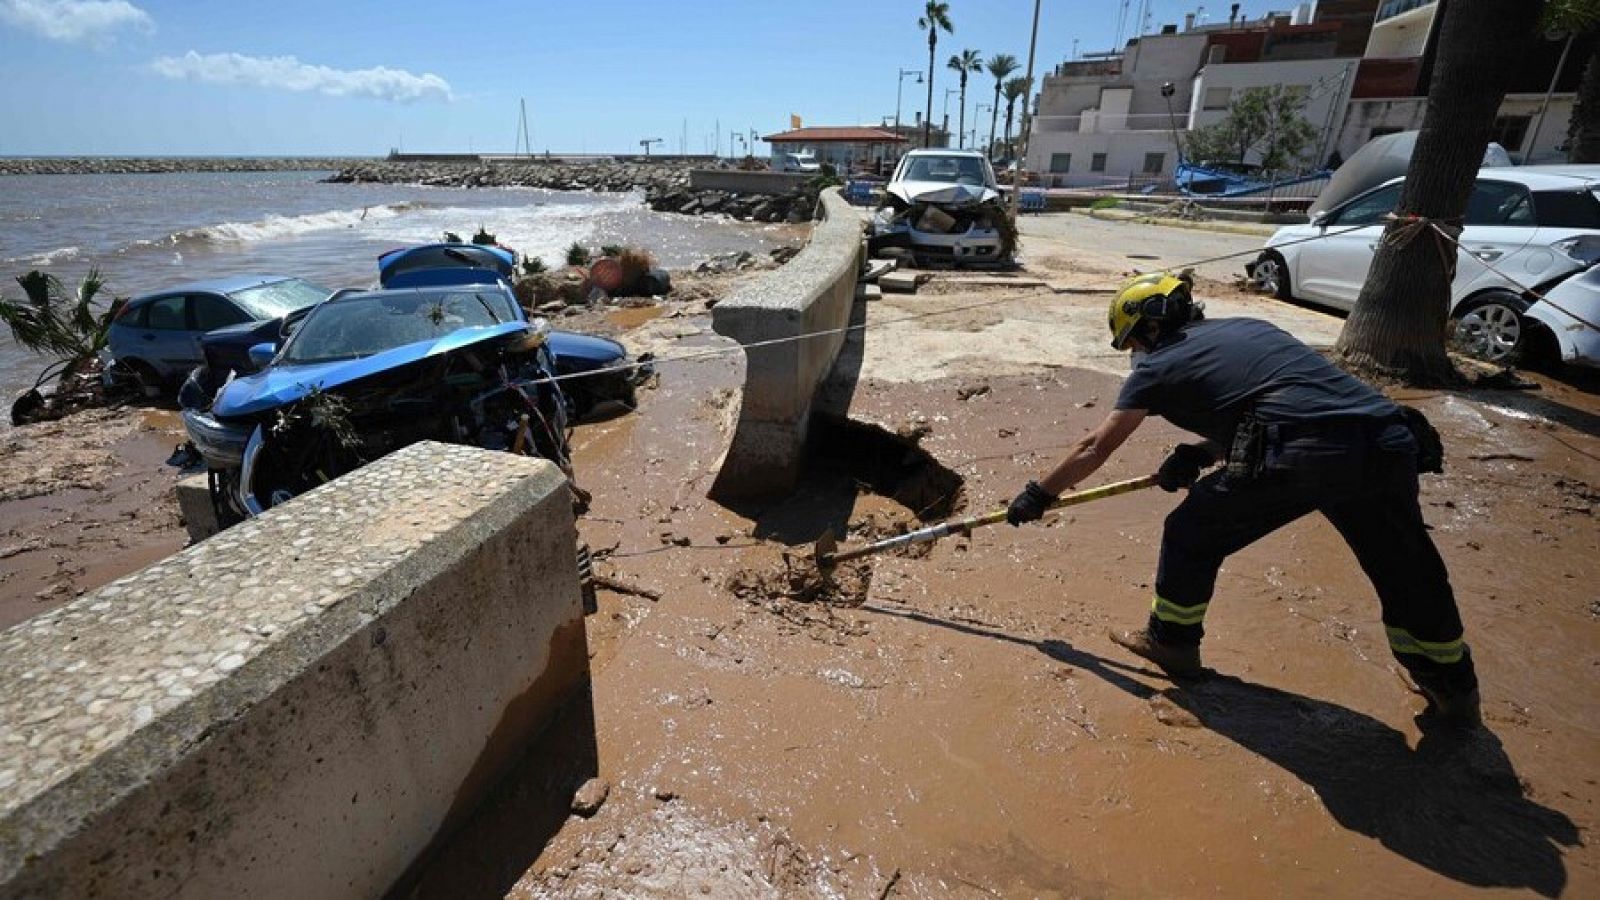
(225, 285)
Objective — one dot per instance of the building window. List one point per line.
(1511, 131)
(1061, 162)
(1097, 162)
(1217, 98)
(1154, 163)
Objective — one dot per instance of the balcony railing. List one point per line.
(1112, 124)
(1391, 8)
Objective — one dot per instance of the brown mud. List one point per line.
(84, 500)
(970, 731)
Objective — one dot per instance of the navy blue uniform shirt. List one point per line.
(1204, 377)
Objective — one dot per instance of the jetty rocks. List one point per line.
(116, 165)
(665, 184)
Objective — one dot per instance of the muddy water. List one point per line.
(970, 731)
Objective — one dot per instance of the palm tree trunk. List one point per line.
(927, 117)
(1585, 128)
(1398, 326)
(961, 129)
(1010, 108)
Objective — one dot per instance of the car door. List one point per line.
(167, 341)
(1498, 224)
(1333, 268)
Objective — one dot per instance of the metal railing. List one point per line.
(1392, 8)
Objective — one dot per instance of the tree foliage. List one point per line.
(47, 320)
(1015, 89)
(1000, 65)
(1265, 121)
(967, 62)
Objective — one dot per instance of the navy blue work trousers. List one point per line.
(1359, 473)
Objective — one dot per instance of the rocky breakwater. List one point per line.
(799, 206)
(107, 165)
(665, 184)
(607, 176)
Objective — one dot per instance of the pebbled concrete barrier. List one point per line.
(302, 705)
(812, 293)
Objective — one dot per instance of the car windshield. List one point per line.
(271, 301)
(364, 324)
(952, 169)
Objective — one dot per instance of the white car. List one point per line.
(1570, 314)
(800, 162)
(1536, 225)
(946, 206)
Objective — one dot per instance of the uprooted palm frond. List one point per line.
(72, 328)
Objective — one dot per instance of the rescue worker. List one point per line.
(1297, 434)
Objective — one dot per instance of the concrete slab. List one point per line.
(301, 705)
(869, 292)
(900, 283)
(196, 509)
(879, 267)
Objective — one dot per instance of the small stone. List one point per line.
(587, 801)
(665, 795)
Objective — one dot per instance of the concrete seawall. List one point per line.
(812, 293)
(302, 705)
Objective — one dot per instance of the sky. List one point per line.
(359, 77)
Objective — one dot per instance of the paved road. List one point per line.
(1129, 245)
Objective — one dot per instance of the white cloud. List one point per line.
(75, 21)
(289, 74)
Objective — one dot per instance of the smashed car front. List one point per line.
(952, 214)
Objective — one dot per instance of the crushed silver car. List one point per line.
(945, 206)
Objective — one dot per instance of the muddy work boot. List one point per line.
(1459, 710)
(1177, 661)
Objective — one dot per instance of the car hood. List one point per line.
(578, 352)
(942, 192)
(281, 384)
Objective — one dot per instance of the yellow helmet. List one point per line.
(1156, 296)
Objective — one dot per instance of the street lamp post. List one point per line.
(1027, 122)
(898, 90)
(978, 113)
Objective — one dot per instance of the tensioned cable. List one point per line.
(713, 352)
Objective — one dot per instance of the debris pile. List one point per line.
(797, 579)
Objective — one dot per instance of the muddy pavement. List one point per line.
(83, 501)
(969, 731)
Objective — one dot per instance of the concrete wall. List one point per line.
(301, 705)
(812, 293)
(1406, 113)
(738, 182)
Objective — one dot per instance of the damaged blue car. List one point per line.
(368, 372)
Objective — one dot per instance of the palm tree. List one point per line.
(933, 18)
(965, 62)
(1000, 65)
(1015, 88)
(49, 321)
(1398, 326)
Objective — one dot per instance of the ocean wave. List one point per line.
(273, 227)
(58, 255)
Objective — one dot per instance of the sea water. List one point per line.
(147, 232)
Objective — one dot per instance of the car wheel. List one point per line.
(1271, 275)
(1491, 327)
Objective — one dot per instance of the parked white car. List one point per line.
(1536, 225)
(800, 162)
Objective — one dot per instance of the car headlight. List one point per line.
(1583, 249)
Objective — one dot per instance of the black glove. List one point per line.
(1030, 505)
(1183, 467)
